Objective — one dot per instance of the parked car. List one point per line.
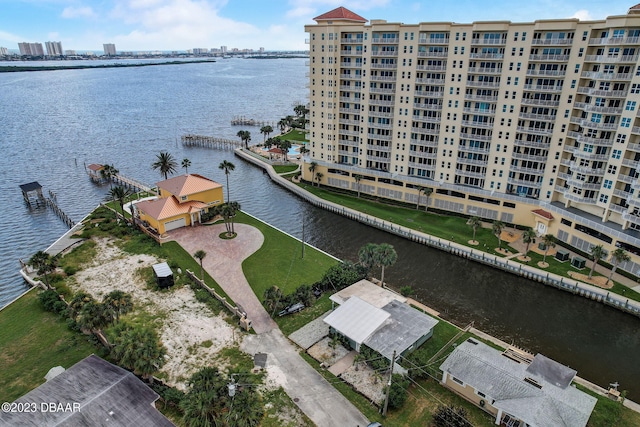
(375, 424)
(292, 309)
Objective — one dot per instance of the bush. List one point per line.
(398, 392)
(405, 291)
(305, 295)
(342, 275)
(73, 325)
(48, 299)
(60, 308)
(70, 270)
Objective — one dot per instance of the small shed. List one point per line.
(562, 255)
(163, 274)
(578, 262)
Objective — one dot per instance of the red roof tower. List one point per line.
(340, 14)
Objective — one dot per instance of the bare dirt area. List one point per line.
(323, 353)
(366, 381)
(187, 328)
(599, 281)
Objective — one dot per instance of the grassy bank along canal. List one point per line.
(46, 341)
(453, 235)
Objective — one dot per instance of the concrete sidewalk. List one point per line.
(318, 399)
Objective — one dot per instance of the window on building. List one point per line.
(615, 154)
(631, 106)
(625, 123)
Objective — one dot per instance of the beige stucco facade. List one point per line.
(497, 118)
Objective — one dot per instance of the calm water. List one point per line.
(54, 122)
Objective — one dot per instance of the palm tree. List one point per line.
(228, 212)
(93, 317)
(427, 192)
(312, 169)
(165, 163)
(319, 176)
(207, 402)
(272, 298)
(108, 172)
(247, 411)
(78, 301)
(186, 164)
(245, 137)
(282, 124)
(497, 228)
(139, 349)
(420, 189)
(367, 256)
(386, 256)
(597, 253)
(357, 178)
(118, 303)
(199, 255)
(474, 222)
(528, 237)
(44, 264)
(284, 146)
(618, 256)
(227, 167)
(549, 241)
(301, 111)
(119, 194)
(304, 150)
(265, 131)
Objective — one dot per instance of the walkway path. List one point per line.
(318, 399)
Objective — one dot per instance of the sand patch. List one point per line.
(599, 281)
(185, 323)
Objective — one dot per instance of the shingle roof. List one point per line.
(168, 207)
(356, 319)
(185, 185)
(503, 379)
(401, 330)
(107, 396)
(95, 167)
(340, 14)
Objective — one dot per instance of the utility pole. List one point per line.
(386, 398)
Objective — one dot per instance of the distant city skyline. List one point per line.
(151, 25)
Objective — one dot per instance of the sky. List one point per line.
(145, 25)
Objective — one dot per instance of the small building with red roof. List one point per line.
(183, 199)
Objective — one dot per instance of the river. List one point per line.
(55, 122)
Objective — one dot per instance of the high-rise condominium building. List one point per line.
(528, 123)
(31, 49)
(4, 51)
(109, 49)
(54, 48)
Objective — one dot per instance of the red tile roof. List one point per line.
(185, 185)
(636, 7)
(340, 14)
(95, 167)
(543, 213)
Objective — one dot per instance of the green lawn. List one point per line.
(447, 227)
(294, 135)
(284, 169)
(32, 342)
(279, 261)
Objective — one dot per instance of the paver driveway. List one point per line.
(322, 403)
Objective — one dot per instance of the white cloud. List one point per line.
(9, 37)
(583, 15)
(78, 12)
(180, 24)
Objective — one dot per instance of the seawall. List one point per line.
(578, 288)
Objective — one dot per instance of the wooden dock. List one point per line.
(191, 140)
(132, 183)
(63, 216)
(243, 121)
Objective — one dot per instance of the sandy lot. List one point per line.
(185, 323)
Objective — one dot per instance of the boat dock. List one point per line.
(191, 140)
(243, 121)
